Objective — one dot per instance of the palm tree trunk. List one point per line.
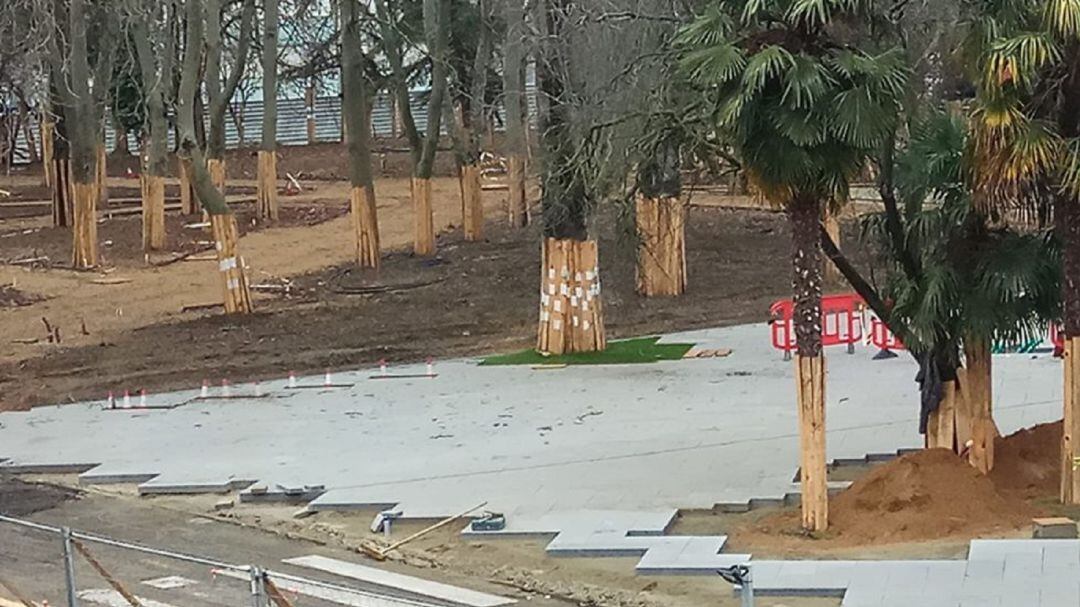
(977, 386)
(1067, 217)
(805, 215)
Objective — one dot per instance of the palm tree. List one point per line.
(968, 282)
(803, 108)
(1026, 57)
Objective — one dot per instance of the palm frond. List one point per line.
(766, 64)
(1062, 17)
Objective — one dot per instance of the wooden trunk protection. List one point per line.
(832, 227)
(810, 384)
(216, 168)
(84, 249)
(153, 212)
(423, 220)
(472, 205)
(941, 425)
(189, 201)
(1070, 436)
(237, 296)
(62, 194)
(101, 176)
(266, 188)
(47, 152)
(979, 398)
(366, 226)
(661, 267)
(571, 309)
(517, 206)
(963, 422)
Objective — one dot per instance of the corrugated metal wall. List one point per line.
(292, 122)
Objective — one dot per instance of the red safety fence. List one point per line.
(841, 322)
(882, 337)
(1057, 337)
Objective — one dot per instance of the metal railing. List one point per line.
(264, 583)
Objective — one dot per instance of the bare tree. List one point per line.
(514, 103)
(237, 297)
(357, 112)
(267, 199)
(219, 94)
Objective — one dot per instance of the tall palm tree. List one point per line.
(1026, 57)
(803, 107)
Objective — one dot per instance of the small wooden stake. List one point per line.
(810, 384)
(189, 202)
(661, 267)
(472, 206)
(366, 226)
(423, 220)
(1070, 443)
(101, 175)
(48, 128)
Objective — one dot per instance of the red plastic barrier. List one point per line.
(882, 337)
(840, 322)
(1058, 339)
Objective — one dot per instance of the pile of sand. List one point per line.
(925, 495)
(934, 494)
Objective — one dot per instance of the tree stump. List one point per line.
(423, 220)
(472, 205)
(153, 211)
(571, 309)
(84, 225)
(1070, 436)
(366, 226)
(661, 267)
(810, 382)
(517, 205)
(266, 204)
(237, 296)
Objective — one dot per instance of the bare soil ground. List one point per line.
(136, 336)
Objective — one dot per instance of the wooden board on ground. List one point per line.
(707, 353)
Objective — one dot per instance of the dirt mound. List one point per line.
(1026, 462)
(924, 495)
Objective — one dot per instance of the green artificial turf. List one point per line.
(638, 350)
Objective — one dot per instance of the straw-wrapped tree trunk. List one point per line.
(231, 267)
(220, 89)
(660, 216)
(356, 104)
(514, 102)
(156, 69)
(266, 188)
(571, 307)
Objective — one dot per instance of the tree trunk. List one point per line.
(237, 296)
(661, 267)
(309, 109)
(266, 187)
(84, 238)
(47, 129)
(267, 205)
(515, 104)
(121, 144)
(472, 205)
(571, 309)
(978, 396)
(832, 226)
(101, 175)
(517, 203)
(153, 211)
(423, 218)
(189, 200)
(356, 107)
(1067, 218)
(805, 214)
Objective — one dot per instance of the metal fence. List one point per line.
(78, 554)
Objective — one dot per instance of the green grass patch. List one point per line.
(626, 351)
